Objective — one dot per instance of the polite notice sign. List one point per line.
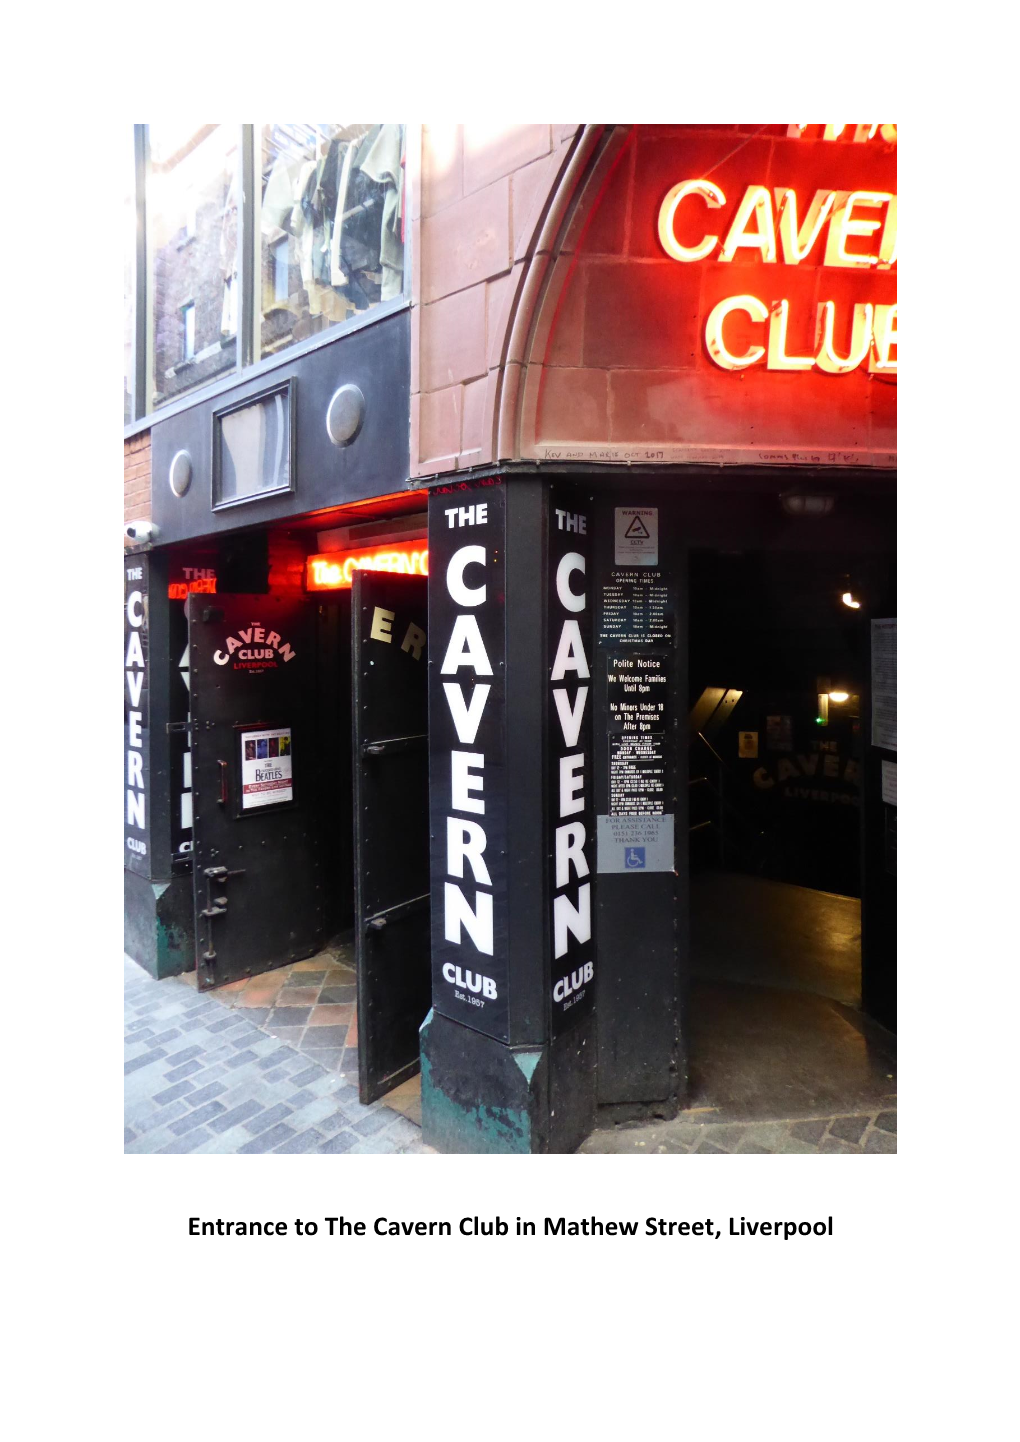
(637, 535)
(267, 776)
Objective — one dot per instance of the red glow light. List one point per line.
(334, 571)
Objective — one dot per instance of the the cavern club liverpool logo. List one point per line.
(254, 649)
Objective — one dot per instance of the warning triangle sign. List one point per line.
(636, 531)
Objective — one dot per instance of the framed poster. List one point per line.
(267, 767)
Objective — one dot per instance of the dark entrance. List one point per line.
(255, 758)
(778, 681)
(391, 831)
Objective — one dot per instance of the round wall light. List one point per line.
(180, 474)
(345, 415)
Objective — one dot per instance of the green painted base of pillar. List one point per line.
(159, 925)
(479, 1096)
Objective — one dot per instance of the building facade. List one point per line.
(511, 585)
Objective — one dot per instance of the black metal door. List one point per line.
(255, 768)
(391, 828)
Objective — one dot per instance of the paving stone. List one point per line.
(206, 1093)
(186, 1143)
(374, 1122)
(266, 1141)
(170, 1094)
(402, 1130)
(301, 1142)
(139, 1061)
(165, 1036)
(308, 1074)
(837, 1145)
(197, 1118)
(886, 1122)
(810, 1131)
(849, 1129)
(179, 1073)
(706, 1146)
(877, 1141)
(236, 1116)
(313, 1113)
(342, 1142)
(267, 1119)
(241, 1059)
(288, 1016)
(226, 1024)
(333, 1121)
(794, 1146)
(749, 1146)
(328, 1057)
(273, 1058)
(129, 1135)
(178, 1058)
(155, 1117)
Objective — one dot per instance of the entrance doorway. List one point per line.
(303, 734)
(778, 667)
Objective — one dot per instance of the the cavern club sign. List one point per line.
(254, 648)
(769, 232)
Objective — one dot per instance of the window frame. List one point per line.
(249, 364)
(288, 389)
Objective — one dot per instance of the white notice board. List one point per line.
(267, 775)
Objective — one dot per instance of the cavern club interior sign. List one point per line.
(334, 570)
(768, 234)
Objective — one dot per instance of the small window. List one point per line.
(281, 270)
(253, 448)
(188, 319)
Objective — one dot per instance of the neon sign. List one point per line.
(197, 579)
(860, 234)
(334, 571)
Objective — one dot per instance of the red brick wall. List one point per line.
(137, 478)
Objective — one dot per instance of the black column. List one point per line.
(505, 1067)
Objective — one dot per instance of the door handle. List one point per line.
(223, 782)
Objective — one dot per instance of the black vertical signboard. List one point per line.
(570, 781)
(137, 846)
(467, 756)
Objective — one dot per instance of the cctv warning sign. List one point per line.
(637, 536)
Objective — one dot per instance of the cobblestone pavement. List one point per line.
(201, 1076)
(860, 1134)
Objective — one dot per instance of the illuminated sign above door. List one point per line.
(834, 229)
(334, 570)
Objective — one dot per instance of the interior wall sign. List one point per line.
(837, 229)
(467, 758)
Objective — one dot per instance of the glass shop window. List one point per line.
(192, 210)
(333, 205)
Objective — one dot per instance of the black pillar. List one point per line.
(158, 923)
(508, 1049)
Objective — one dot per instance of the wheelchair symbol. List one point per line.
(634, 858)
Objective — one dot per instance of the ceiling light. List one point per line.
(848, 600)
(839, 696)
(798, 503)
